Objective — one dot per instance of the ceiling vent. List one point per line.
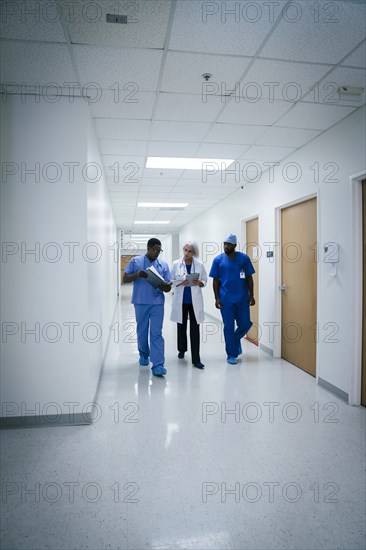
(112, 18)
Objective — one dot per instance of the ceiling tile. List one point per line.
(267, 153)
(279, 80)
(146, 23)
(32, 21)
(122, 129)
(114, 68)
(262, 112)
(171, 149)
(178, 131)
(118, 188)
(155, 191)
(357, 58)
(122, 147)
(154, 183)
(220, 150)
(317, 31)
(314, 115)
(187, 107)
(123, 169)
(286, 137)
(35, 63)
(238, 33)
(128, 103)
(215, 177)
(234, 133)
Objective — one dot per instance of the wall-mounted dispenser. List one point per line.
(331, 256)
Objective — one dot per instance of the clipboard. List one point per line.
(153, 277)
(190, 277)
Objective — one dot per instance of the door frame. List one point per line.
(244, 240)
(277, 344)
(244, 228)
(354, 395)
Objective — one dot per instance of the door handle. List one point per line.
(282, 287)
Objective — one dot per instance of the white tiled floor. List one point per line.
(156, 469)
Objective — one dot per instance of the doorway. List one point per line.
(363, 365)
(124, 261)
(299, 284)
(252, 250)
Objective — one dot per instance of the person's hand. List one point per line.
(218, 303)
(197, 282)
(165, 287)
(142, 274)
(251, 301)
(184, 283)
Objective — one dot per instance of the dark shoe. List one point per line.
(181, 355)
(199, 365)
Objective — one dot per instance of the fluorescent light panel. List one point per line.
(188, 163)
(162, 204)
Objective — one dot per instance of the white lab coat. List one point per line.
(178, 272)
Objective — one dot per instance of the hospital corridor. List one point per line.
(183, 275)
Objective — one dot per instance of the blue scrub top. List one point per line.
(187, 294)
(143, 292)
(233, 289)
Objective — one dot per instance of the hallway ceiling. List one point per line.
(285, 61)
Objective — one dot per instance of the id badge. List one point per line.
(242, 275)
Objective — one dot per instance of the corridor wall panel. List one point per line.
(57, 294)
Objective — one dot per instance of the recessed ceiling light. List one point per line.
(187, 163)
(154, 221)
(162, 204)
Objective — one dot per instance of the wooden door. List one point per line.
(299, 282)
(363, 375)
(252, 249)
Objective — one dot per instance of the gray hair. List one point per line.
(194, 247)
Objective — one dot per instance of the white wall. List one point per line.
(102, 274)
(36, 291)
(344, 146)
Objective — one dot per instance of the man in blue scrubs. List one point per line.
(233, 288)
(149, 305)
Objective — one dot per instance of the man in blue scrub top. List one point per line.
(149, 305)
(233, 288)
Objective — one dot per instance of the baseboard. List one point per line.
(42, 421)
(333, 389)
(267, 350)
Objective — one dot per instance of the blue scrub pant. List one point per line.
(150, 316)
(230, 313)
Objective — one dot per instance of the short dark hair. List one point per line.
(152, 242)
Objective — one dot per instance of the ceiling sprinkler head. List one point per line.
(206, 76)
